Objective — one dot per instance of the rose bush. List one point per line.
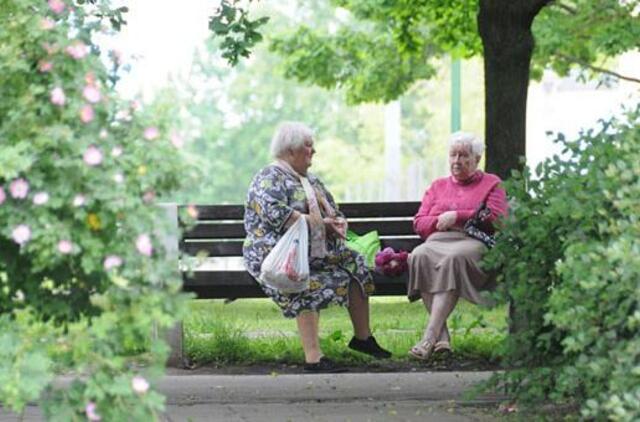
(84, 277)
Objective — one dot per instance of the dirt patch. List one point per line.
(445, 363)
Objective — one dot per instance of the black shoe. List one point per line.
(369, 346)
(324, 365)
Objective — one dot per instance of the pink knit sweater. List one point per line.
(448, 194)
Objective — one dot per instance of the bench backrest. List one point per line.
(219, 233)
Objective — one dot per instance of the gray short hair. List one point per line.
(289, 136)
(466, 138)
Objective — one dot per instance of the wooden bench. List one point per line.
(219, 233)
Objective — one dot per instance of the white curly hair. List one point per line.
(466, 138)
(289, 136)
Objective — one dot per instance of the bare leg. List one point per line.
(359, 311)
(427, 299)
(308, 329)
(442, 304)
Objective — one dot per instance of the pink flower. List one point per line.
(91, 93)
(112, 261)
(3, 195)
(192, 211)
(47, 24)
(45, 66)
(79, 200)
(57, 96)
(77, 50)
(103, 134)
(139, 384)
(123, 115)
(92, 156)
(90, 410)
(19, 188)
(176, 140)
(116, 151)
(41, 198)
(143, 244)
(57, 6)
(21, 234)
(151, 133)
(149, 196)
(135, 105)
(65, 246)
(86, 113)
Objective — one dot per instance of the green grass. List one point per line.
(253, 331)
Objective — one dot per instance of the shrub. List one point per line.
(83, 274)
(569, 258)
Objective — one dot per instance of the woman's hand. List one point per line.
(336, 226)
(446, 220)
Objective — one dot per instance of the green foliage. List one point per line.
(569, 262)
(239, 33)
(84, 276)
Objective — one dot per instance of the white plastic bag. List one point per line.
(286, 268)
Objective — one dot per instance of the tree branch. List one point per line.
(598, 69)
(571, 10)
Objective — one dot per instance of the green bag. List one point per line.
(367, 245)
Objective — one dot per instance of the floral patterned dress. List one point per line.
(272, 197)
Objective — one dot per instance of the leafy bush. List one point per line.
(83, 273)
(569, 258)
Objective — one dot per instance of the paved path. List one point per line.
(422, 396)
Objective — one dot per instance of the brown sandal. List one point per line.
(422, 350)
(442, 347)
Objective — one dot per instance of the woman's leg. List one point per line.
(427, 299)
(359, 311)
(308, 329)
(442, 304)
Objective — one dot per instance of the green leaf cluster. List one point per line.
(569, 262)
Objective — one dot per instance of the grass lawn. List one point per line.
(253, 331)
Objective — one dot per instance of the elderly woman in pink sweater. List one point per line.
(446, 266)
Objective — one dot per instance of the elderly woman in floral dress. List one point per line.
(279, 195)
(446, 266)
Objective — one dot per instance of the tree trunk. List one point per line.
(505, 30)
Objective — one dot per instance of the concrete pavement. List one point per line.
(414, 396)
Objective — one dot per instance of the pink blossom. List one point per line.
(135, 105)
(151, 133)
(21, 234)
(192, 211)
(3, 195)
(149, 196)
(176, 140)
(86, 113)
(92, 156)
(91, 412)
(57, 6)
(47, 24)
(57, 96)
(77, 50)
(45, 66)
(143, 244)
(139, 384)
(65, 246)
(116, 151)
(50, 49)
(123, 115)
(41, 198)
(112, 261)
(90, 78)
(91, 93)
(79, 200)
(103, 134)
(19, 188)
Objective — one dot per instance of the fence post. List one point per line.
(170, 238)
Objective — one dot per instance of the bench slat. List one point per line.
(239, 284)
(234, 248)
(350, 209)
(236, 230)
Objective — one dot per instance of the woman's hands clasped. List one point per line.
(446, 220)
(335, 226)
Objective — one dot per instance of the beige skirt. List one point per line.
(448, 261)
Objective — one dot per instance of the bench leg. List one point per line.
(173, 337)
